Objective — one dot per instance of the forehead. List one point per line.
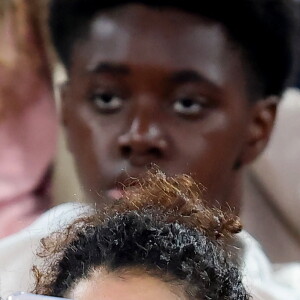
(165, 39)
(113, 286)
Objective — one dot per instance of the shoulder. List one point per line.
(17, 252)
(57, 217)
(264, 278)
(52, 220)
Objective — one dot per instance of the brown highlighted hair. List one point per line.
(160, 226)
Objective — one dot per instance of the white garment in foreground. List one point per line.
(16, 259)
(267, 281)
(17, 251)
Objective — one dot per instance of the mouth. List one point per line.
(115, 193)
(122, 183)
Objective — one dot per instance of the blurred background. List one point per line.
(36, 169)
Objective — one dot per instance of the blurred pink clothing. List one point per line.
(27, 147)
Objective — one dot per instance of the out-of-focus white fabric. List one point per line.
(17, 252)
(264, 280)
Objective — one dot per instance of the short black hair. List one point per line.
(262, 29)
(160, 227)
(296, 82)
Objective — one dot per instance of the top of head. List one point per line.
(261, 29)
(161, 227)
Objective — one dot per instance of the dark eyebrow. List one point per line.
(187, 76)
(109, 68)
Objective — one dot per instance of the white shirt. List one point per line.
(264, 280)
(17, 252)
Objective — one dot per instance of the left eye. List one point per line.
(107, 102)
(188, 106)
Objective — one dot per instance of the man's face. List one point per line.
(163, 87)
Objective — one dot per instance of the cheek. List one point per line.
(93, 142)
(82, 141)
(210, 149)
(85, 133)
(219, 136)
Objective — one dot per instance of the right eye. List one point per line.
(188, 106)
(107, 102)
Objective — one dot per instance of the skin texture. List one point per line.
(163, 87)
(111, 286)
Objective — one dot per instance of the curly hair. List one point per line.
(262, 30)
(160, 226)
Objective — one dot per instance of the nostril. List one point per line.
(155, 152)
(126, 151)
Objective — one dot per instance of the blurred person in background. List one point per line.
(28, 121)
(192, 93)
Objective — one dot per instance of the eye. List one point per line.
(189, 106)
(107, 102)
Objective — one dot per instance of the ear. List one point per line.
(263, 114)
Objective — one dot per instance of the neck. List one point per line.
(235, 194)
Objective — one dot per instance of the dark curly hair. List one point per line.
(161, 227)
(262, 30)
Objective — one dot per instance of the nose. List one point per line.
(144, 141)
